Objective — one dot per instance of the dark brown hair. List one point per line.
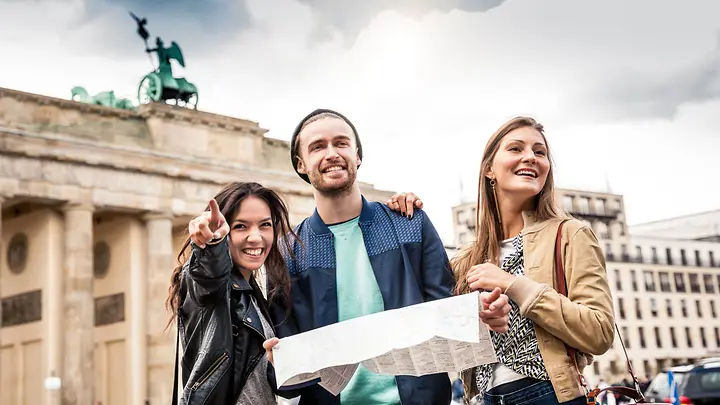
(229, 200)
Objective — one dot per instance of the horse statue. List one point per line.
(160, 85)
(105, 98)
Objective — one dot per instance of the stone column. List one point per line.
(78, 387)
(2, 250)
(54, 311)
(137, 337)
(161, 343)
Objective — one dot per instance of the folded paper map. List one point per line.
(439, 336)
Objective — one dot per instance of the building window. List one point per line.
(712, 260)
(649, 280)
(626, 337)
(600, 206)
(638, 309)
(679, 283)
(655, 259)
(708, 281)
(638, 251)
(698, 261)
(713, 313)
(641, 333)
(703, 341)
(621, 308)
(618, 284)
(717, 336)
(694, 282)
(633, 280)
(646, 366)
(665, 281)
(683, 258)
(698, 308)
(568, 203)
(596, 368)
(653, 307)
(603, 231)
(625, 254)
(609, 256)
(584, 205)
(673, 340)
(668, 253)
(688, 337)
(668, 306)
(658, 341)
(683, 308)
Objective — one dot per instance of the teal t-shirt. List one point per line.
(358, 294)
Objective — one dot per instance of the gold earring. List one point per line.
(497, 205)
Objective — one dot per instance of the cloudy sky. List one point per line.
(627, 90)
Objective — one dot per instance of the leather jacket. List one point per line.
(219, 328)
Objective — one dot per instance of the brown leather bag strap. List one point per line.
(629, 364)
(561, 285)
(559, 266)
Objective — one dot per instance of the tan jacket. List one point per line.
(584, 320)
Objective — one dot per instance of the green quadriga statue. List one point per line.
(160, 85)
(157, 86)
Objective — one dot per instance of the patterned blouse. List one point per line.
(518, 348)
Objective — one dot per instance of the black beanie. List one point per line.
(293, 140)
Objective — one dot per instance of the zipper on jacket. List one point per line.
(213, 367)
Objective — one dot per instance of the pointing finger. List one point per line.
(214, 210)
(204, 229)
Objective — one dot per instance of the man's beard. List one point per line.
(334, 190)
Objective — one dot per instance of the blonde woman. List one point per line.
(514, 249)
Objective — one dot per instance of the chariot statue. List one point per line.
(160, 85)
(157, 86)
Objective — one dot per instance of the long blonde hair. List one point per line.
(488, 232)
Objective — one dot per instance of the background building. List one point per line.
(664, 277)
(94, 204)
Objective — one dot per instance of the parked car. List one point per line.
(698, 384)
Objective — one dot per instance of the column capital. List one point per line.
(158, 215)
(78, 206)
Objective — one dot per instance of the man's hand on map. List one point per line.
(495, 309)
(268, 346)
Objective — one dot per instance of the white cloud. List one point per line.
(426, 90)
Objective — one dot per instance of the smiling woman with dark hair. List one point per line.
(221, 313)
